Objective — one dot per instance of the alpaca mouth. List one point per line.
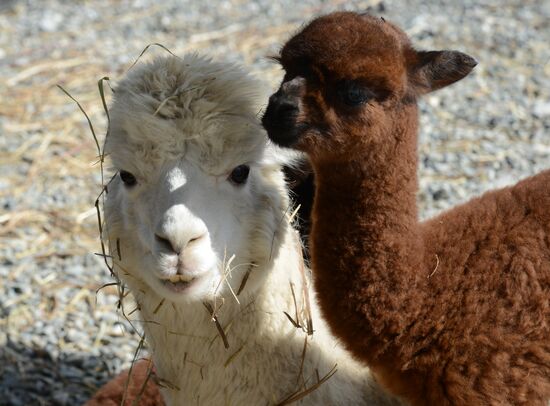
(178, 283)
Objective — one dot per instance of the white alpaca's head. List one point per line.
(196, 182)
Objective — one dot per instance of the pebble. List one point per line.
(542, 109)
(51, 21)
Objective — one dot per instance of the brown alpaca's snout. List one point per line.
(281, 118)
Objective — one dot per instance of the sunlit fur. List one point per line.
(181, 126)
(139, 388)
(452, 311)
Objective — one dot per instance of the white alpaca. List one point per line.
(198, 207)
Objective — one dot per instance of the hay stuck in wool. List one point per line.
(304, 385)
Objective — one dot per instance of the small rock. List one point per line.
(440, 194)
(541, 109)
(51, 21)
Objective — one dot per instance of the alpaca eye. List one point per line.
(354, 94)
(128, 178)
(239, 175)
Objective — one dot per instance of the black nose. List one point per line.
(285, 107)
(282, 110)
(280, 117)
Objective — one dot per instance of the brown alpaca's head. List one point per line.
(349, 80)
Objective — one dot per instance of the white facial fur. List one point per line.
(198, 213)
(185, 229)
(180, 126)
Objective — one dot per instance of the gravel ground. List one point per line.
(59, 339)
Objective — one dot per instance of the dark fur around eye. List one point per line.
(239, 175)
(128, 178)
(354, 94)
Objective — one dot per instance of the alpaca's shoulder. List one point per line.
(490, 271)
(534, 192)
(503, 231)
(498, 209)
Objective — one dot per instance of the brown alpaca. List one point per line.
(140, 391)
(452, 311)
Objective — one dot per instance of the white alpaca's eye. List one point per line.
(128, 178)
(239, 175)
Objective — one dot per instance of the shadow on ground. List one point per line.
(33, 376)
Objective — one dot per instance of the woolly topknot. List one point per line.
(164, 107)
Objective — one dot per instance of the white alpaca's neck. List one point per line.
(188, 350)
(263, 361)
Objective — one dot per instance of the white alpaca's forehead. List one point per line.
(144, 145)
(192, 108)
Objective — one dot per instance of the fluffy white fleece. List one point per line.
(180, 126)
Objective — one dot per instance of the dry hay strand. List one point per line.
(100, 152)
(300, 381)
(165, 383)
(303, 319)
(296, 396)
(436, 266)
(159, 306)
(146, 49)
(233, 356)
(110, 253)
(144, 385)
(219, 327)
(127, 383)
(305, 291)
(245, 278)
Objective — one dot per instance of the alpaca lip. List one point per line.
(179, 278)
(178, 283)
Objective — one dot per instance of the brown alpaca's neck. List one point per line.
(366, 246)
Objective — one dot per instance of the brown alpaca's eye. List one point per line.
(354, 94)
(239, 175)
(128, 178)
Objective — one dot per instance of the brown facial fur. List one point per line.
(453, 311)
(327, 60)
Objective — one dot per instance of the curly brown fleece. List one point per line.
(452, 311)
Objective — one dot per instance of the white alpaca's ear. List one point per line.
(434, 70)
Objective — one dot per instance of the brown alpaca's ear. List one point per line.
(433, 70)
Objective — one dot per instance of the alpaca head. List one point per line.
(197, 199)
(348, 79)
